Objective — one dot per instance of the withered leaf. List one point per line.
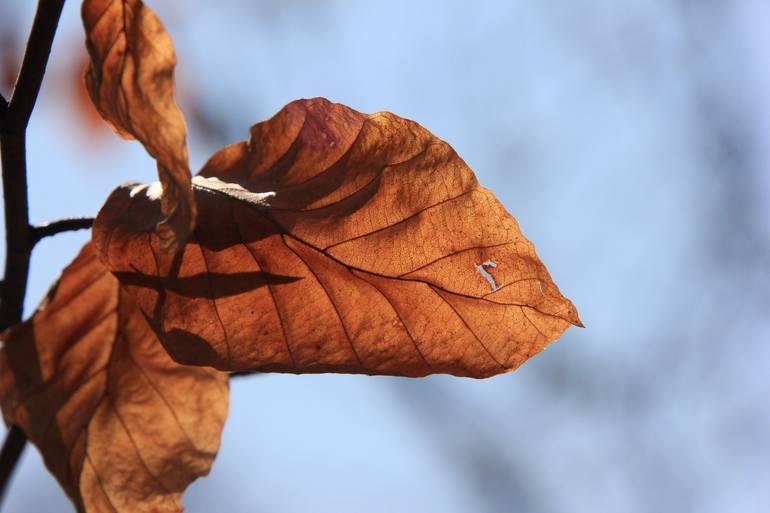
(367, 259)
(130, 79)
(122, 426)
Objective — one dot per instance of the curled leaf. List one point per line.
(363, 255)
(121, 426)
(130, 79)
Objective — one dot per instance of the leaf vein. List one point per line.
(155, 388)
(402, 221)
(377, 176)
(214, 302)
(454, 253)
(331, 301)
(113, 406)
(462, 319)
(101, 484)
(398, 314)
(267, 282)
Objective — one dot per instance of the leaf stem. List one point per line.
(62, 225)
(13, 150)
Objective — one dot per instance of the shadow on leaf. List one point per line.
(209, 285)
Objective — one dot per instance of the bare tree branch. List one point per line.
(33, 66)
(13, 124)
(15, 440)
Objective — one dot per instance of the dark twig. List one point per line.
(13, 124)
(13, 149)
(60, 226)
(15, 440)
(33, 66)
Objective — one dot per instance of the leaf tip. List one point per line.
(572, 316)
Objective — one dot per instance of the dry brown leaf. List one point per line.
(131, 82)
(83, 109)
(378, 254)
(122, 426)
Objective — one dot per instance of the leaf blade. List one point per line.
(119, 424)
(130, 79)
(376, 232)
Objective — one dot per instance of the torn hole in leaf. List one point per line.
(482, 270)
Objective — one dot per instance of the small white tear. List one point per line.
(481, 268)
(215, 185)
(137, 189)
(153, 190)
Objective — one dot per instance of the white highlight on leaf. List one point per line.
(211, 185)
(481, 268)
(154, 190)
(137, 189)
(215, 185)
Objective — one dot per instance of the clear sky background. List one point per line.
(632, 142)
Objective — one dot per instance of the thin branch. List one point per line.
(60, 226)
(13, 151)
(33, 66)
(15, 440)
(14, 159)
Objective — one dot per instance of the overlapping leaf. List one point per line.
(131, 81)
(367, 259)
(122, 426)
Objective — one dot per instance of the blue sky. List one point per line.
(629, 140)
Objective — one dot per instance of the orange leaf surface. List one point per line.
(376, 251)
(131, 82)
(122, 426)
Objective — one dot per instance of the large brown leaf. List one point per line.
(131, 81)
(122, 426)
(378, 254)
